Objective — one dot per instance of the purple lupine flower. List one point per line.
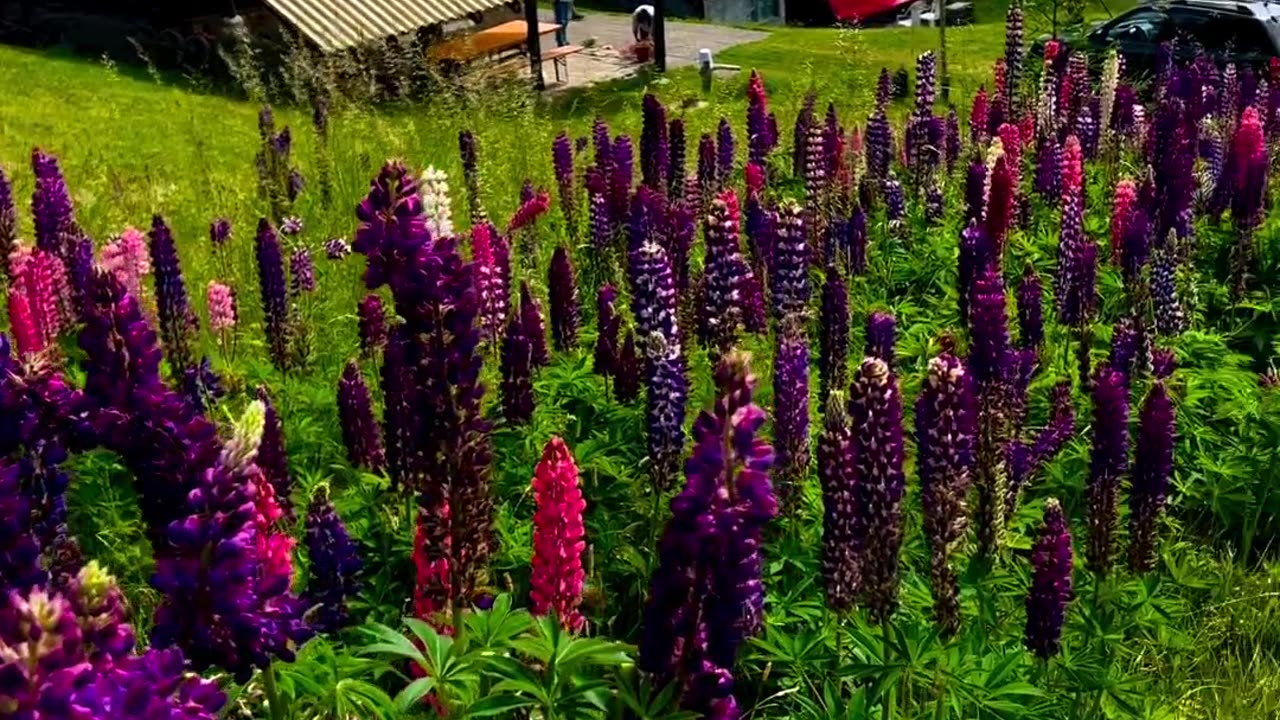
(724, 152)
(51, 206)
(1109, 461)
(952, 142)
(668, 391)
(805, 121)
(876, 407)
(833, 143)
(945, 431)
(973, 258)
(721, 308)
(789, 281)
(273, 458)
(302, 272)
(653, 296)
(601, 221)
(1050, 590)
(1152, 468)
(833, 335)
(759, 139)
(271, 281)
(989, 327)
(372, 322)
(1074, 285)
(8, 224)
(675, 158)
(816, 160)
(360, 432)
(654, 146)
(565, 313)
(881, 329)
(1027, 459)
(681, 230)
(975, 192)
(934, 204)
(291, 226)
(791, 412)
(1170, 318)
(79, 273)
(1124, 347)
(626, 387)
(517, 374)
(622, 157)
(884, 89)
(755, 311)
(201, 385)
(879, 146)
(19, 549)
(562, 160)
(335, 565)
(895, 201)
(758, 226)
(1174, 149)
(1030, 310)
(535, 329)
(841, 537)
(1047, 170)
(858, 242)
(220, 232)
(708, 178)
(337, 248)
(1014, 51)
(605, 361)
(177, 320)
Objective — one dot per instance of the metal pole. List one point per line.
(534, 42)
(660, 35)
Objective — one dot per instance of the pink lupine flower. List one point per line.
(1072, 168)
(36, 273)
(222, 307)
(22, 326)
(128, 259)
(755, 179)
(1126, 199)
(530, 211)
(558, 537)
(1011, 139)
(490, 288)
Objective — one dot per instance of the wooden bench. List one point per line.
(559, 58)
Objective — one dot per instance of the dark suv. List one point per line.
(1246, 33)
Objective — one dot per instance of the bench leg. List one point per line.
(559, 63)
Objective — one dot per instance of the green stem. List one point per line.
(886, 703)
(273, 693)
(940, 712)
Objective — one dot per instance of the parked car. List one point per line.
(1246, 33)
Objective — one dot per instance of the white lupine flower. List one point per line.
(435, 202)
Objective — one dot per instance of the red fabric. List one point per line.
(864, 10)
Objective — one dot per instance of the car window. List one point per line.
(1221, 33)
(1141, 25)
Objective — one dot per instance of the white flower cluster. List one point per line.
(435, 202)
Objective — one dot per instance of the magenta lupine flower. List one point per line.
(1109, 461)
(721, 308)
(653, 142)
(789, 281)
(881, 330)
(724, 152)
(946, 413)
(1123, 207)
(360, 431)
(177, 321)
(529, 211)
(759, 140)
(1000, 200)
(534, 328)
(372, 324)
(556, 576)
(755, 311)
(841, 536)
(222, 307)
(1152, 468)
(562, 160)
(978, 118)
(1050, 590)
(791, 412)
(605, 361)
(1030, 310)
(1248, 165)
(876, 407)
(626, 387)
(275, 303)
(517, 374)
(565, 313)
(493, 294)
(706, 595)
(833, 335)
(335, 565)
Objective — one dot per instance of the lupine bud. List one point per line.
(877, 416)
(708, 181)
(952, 143)
(833, 335)
(626, 386)
(335, 565)
(272, 458)
(945, 429)
(1013, 51)
(517, 374)
(1048, 171)
(1109, 461)
(805, 120)
(841, 535)
(675, 158)
(1152, 468)
(790, 279)
(558, 537)
(271, 281)
(1050, 590)
(1030, 310)
(724, 152)
(534, 328)
(879, 146)
(881, 332)
(605, 361)
(721, 309)
(222, 307)
(562, 160)
(565, 313)
(621, 176)
(791, 411)
(360, 432)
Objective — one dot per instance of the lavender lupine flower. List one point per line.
(372, 322)
(302, 272)
(895, 202)
(721, 308)
(535, 329)
(668, 391)
(335, 565)
(945, 430)
(291, 226)
(1170, 318)
(8, 225)
(605, 358)
(833, 335)
(51, 206)
(360, 431)
(1152, 468)
(562, 160)
(177, 320)
(654, 146)
(1109, 461)
(675, 158)
(337, 248)
(565, 313)
(789, 281)
(517, 374)
(707, 595)
(653, 295)
(271, 281)
(876, 407)
(880, 336)
(841, 536)
(1050, 590)
(879, 146)
(791, 412)
(1030, 310)
(626, 387)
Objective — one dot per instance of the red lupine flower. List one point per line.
(558, 537)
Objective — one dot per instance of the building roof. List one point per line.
(340, 24)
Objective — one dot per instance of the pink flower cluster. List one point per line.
(39, 299)
(1124, 203)
(222, 307)
(530, 211)
(128, 259)
(1072, 169)
(558, 537)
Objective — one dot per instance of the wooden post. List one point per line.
(534, 42)
(660, 35)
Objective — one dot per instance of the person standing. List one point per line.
(564, 14)
(642, 23)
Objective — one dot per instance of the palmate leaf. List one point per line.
(357, 698)
(414, 692)
(392, 643)
(497, 705)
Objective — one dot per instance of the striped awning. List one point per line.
(340, 24)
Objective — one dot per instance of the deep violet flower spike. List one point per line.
(534, 328)
(653, 142)
(876, 407)
(271, 283)
(51, 208)
(8, 224)
(1051, 588)
(676, 149)
(989, 327)
(724, 152)
(626, 387)
(273, 458)
(721, 308)
(1030, 310)
(172, 303)
(946, 412)
(608, 323)
(837, 474)
(1109, 461)
(302, 271)
(517, 374)
(833, 335)
(1152, 470)
(556, 578)
(361, 433)
(791, 413)
(565, 313)
(335, 565)
(372, 324)
(880, 336)
(790, 280)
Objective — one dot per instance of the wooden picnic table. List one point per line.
(499, 38)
